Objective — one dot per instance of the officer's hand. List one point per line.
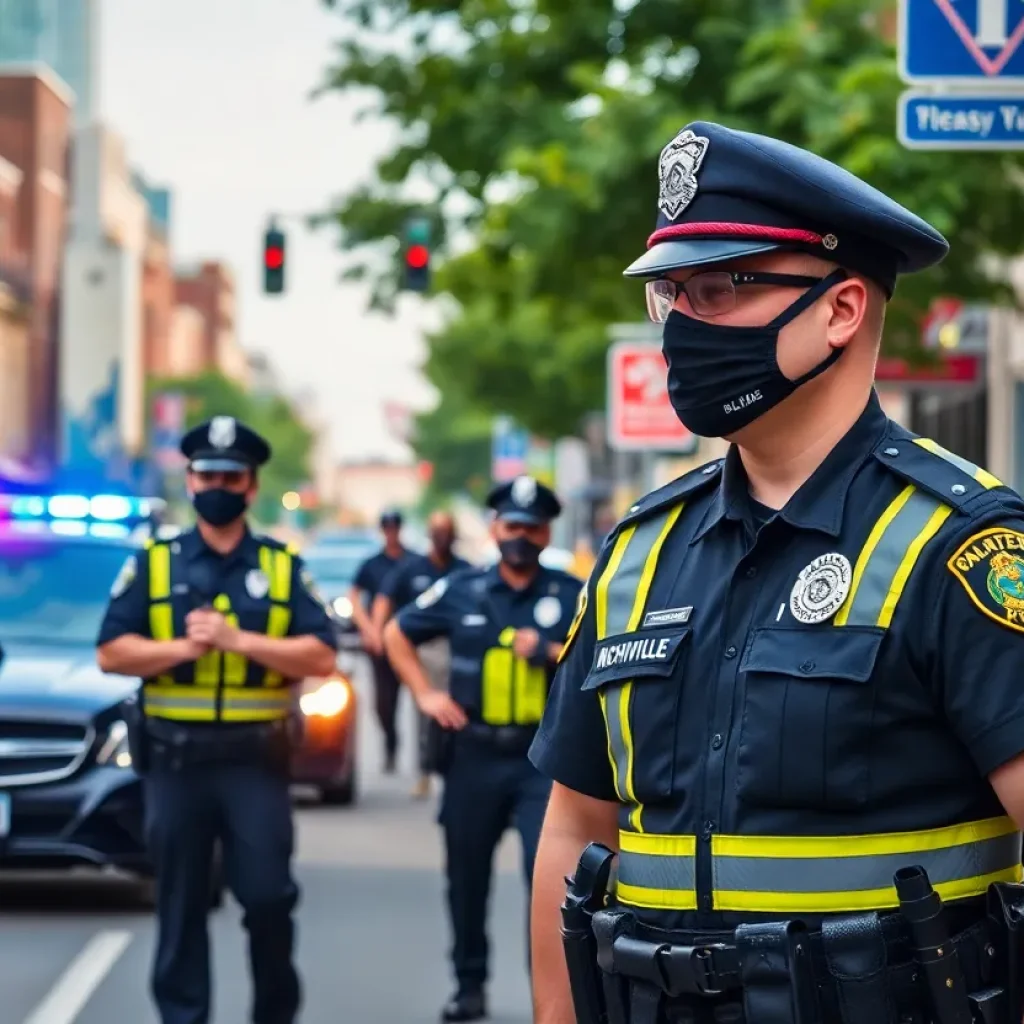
(191, 650)
(440, 707)
(209, 627)
(525, 642)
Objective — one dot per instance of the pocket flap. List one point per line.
(645, 654)
(823, 652)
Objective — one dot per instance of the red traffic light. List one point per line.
(274, 257)
(417, 257)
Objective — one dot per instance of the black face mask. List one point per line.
(218, 506)
(520, 553)
(721, 378)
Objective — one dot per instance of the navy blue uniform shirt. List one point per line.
(375, 570)
(414, 575)
(473, 607)
(758, 724)
(210, 573)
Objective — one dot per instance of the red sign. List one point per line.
(640, 416)
(951, 370)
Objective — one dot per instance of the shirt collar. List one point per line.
(820, 502)
(495, 581)
(193, 546)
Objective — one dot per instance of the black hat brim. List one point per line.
(524, 518)
(218, 465)
(695, 252)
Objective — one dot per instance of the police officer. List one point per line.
(506, 625)
(219, 624)
(410, 578)
(796, 669)
(369, 577)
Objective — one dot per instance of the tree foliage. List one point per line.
(529, 132)
(212, 394)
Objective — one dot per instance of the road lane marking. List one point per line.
(66, 1000)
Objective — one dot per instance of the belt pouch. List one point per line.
(608, 925)
(776, 972)
(1005, 901)
(855, 953)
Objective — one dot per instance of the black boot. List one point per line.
(465, 1005)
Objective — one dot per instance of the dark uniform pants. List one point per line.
(485, 792)
(248, 808)
(386, 689)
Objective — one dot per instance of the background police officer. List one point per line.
(219, 624)
(797, 669)
(506, 625)
(410, 578)
(369, 577)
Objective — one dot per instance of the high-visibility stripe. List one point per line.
(657, 871)
(236, 666)
(277, 567)
(982, 476)
(161, 614)
(199, 703)
(621, 595)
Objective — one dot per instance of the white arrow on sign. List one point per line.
(992, 26)
(646, 374)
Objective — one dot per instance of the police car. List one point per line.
(68, 794)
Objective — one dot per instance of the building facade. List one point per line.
(209, 289)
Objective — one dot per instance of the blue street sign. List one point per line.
(969, 41)
(986, 121)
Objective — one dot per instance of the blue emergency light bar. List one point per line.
(103, 508)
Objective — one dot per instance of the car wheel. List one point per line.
(341, 795)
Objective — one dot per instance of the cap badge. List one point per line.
(830, 242)
(677, 172)
(222, 431)
(524, 491)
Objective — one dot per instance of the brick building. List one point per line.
(209, 289)
(35, 113)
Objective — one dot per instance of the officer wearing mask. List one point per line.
(369, 577)
(404, 584)
(219, 624)
(795, 679)
(506, 625)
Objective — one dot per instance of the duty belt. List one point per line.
(175, 746)
(507, 739)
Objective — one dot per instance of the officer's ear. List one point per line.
(850, 308)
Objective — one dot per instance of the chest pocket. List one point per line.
(805, 738)
(513, 691)
(639, 679)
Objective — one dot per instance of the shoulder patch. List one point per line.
(126, 577)
(990, 567)
(432, 594)
(574, 628)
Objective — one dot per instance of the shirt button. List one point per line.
(751, 572)
(716, 741)
(731, 652)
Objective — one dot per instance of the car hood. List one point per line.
(57, 682)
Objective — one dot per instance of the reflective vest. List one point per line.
(513, 691)
(223, 687)
(792, 874)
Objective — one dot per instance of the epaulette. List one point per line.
(953, 480)
(675, 491)
(265, 540)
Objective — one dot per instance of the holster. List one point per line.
(586, 894)
(1005, 912)
(438, 748)
(133, 714)
(776, 973)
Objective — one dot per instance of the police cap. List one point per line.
(524, 500)
(725, 194)
(224, 444)
(390, 517)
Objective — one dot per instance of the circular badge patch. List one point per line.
(433, 594)
(125, 577)
(256, 583)
(420, 583)
(547, 611)
(821, 588)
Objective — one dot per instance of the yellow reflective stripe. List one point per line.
(601, 591)
(159, 572)
(899, 581)
(161, 621)
(277, 567)
(236, 666)
(530, 683)
(496, 686)
(657, 871)
(982, 476)
(182, 702)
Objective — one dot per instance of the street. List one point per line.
(373, 931)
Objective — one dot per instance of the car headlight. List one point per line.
(115, 747)
(342, 607)
(327, 701)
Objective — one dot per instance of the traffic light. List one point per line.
(273, 262)
(416, 255)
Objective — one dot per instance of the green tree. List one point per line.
(534, 130)
(456, 440)
(212, 394)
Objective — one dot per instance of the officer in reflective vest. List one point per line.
(796, 670)
(219, 624)
(506, 625)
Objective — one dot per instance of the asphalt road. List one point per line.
(373, 932)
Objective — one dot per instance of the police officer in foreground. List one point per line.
(506, 625)
(219, 624)
(410, 578)
(369, 577)
(796, 671)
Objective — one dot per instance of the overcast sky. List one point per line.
(211, 97)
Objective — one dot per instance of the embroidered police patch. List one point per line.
(433, 594)
(547, 611)
(821, 588)
(990, 566)
(256, 583)
(581, 607)
(125, 577)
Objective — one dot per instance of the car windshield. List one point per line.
(56, 593)
(336, 566)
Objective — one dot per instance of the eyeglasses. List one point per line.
(713, 293)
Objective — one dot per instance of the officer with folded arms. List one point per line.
(793, 693)
(506, 625)
(219, 624)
